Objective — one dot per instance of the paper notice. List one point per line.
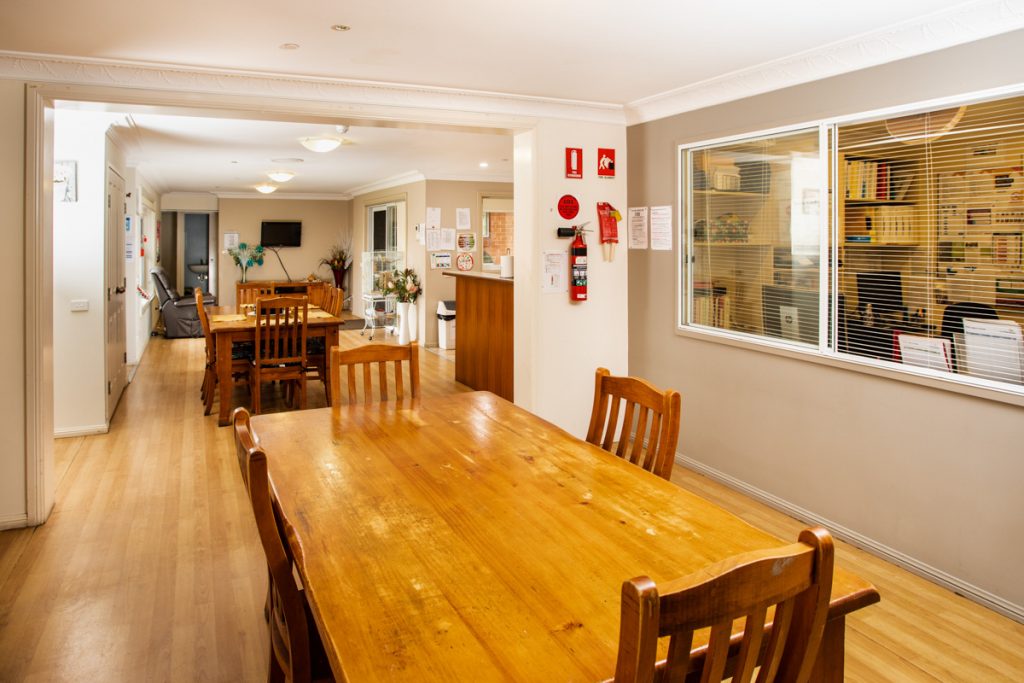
(661, 228)
(447, 238)
(467, 241)
(433, 240)
(637, 227)
(433, 218)
(555, 272)
(462, 219)
(441, 261)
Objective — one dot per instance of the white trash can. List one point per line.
(446, 324)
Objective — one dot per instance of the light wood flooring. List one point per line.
(150, 569)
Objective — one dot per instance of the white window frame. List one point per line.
(826, 353)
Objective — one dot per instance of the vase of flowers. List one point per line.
(338, 259)
(404, 285)
(246, 256)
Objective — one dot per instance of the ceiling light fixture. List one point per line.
(341, 129)
(341, 28)
(280, 176)
(265, 188)
(320, 143)
(484, 164)
(287, 160)
(289, 46)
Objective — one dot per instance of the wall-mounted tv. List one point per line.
(281, 234)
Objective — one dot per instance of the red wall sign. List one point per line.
(605, 163)
(568, 207)
(573, 162)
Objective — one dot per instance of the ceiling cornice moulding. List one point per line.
(296, 196)
(388, 183)
(948, 28)
(386, 101)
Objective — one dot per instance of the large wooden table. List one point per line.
(231, 324)
(464, 539)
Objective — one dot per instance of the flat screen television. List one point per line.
(883, 290)
(281, 233)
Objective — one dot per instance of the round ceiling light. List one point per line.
(484, 164)
(280, 176)
(289, 46)
(341, 28)
(265, 188)
(320, 143)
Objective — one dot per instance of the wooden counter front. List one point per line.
(483, 333)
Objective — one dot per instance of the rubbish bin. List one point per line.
(446, 324)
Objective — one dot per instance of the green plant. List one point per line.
(404, 285)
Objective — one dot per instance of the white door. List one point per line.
(117, 360)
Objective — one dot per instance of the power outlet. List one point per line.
(79, 304)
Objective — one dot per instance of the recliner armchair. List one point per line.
(181, 317)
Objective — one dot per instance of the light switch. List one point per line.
(79, 304)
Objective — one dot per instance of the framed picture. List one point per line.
(65, 180)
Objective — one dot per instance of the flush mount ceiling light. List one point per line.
(341, 28)
(321, 143)
(925, 126)
(484, 164)
(265, 188)
(289, 46)
(280, 176)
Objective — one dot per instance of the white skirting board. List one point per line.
(88, 430)
(938, 576)
(13, 521)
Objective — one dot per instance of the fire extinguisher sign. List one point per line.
(573, 162)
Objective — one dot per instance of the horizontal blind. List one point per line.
(754, 236)
(931, 216)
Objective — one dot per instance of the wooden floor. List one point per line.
(150, 569)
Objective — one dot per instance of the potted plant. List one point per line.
(246, 256)
(338, 259)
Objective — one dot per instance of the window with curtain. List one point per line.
(927, 260)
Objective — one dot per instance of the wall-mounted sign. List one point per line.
(441, 261)
(464, 261)
(605, 163)
(573, 162)
(467, 241)
(568, 207)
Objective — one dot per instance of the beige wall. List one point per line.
(930, 473)
(12, 281)
(449, 195)
(324, 223)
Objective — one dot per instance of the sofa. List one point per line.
(181, 318)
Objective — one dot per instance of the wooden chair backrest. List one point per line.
(281, 331)
(795, 579)
(204, 321)
(330, 294)
(651, 415)
(316, 292)
(250, 292)
(364, 357)
(288, 602)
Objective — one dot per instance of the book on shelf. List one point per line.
(712, 305)
(876, 181)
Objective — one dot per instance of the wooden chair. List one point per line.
(239, 364)
(795, 579)
(296, 651)
(280, 349)
(366, 356)
(643, 401)
(249, 292)
(316, 291)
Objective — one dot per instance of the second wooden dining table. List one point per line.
(235, 324)
(461, 538)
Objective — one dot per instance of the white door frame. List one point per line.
(40, 101)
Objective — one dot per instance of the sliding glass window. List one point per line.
(753, 230)
(928, 247)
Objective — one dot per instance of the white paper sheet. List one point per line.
(433, 240)
(433, 218)
(441, 261)
(637, 227)
(462, 219)
(555, 272)
(661, 228)
(447, 238)
(925, 352)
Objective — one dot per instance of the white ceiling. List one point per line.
(606, 52)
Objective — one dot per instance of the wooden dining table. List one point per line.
(231, 325)
(462, 538)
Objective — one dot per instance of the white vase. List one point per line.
(413, 322)
(403, 322)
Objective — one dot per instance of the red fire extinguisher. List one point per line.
(578, 267)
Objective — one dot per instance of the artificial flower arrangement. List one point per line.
(338, 259)
(246, 256)
(404, 285)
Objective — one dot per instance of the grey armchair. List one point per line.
(181, 317)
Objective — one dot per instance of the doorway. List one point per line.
(116, 284)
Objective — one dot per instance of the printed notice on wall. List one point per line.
(637, 226)
(433, 239)
(433, 218)
(462, 221)
(441, 261)
(661, 228)
(555, 272)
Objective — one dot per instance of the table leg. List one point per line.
(830, 664)
(224, 378)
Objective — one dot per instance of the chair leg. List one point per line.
(211, 389)
(275, 674)
(254, 389)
